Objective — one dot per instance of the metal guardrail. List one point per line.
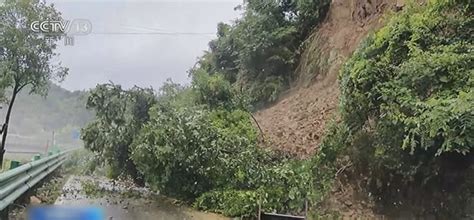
(275, 216)
(15, 182)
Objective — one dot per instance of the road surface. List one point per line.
(117, 207)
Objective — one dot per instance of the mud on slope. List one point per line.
(296, 123)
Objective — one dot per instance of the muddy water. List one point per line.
(118, 206)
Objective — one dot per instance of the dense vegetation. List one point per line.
(259, 52)
(406, 112)
(408, 99)
(26, 58)
(197, 144)
(120, 114)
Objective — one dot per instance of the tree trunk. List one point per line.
(5, 125)
(259, 128)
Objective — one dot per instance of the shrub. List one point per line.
(209, 156)
(188, 151)
(119, 117)
(408, 94)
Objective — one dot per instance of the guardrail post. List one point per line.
(14, 164)
(4, 213)
(36, 157)
(15, 182)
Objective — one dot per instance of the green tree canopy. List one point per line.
(26, 56)
(120, 114)
(408, 94)
(259, 52)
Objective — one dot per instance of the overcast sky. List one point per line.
(125, 45)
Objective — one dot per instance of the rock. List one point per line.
(348, 203)
(35, 200)
(399, 5)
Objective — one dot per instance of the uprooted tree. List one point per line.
(120, 114)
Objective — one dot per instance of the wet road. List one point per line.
(117, 206)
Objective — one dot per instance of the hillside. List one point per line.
(296, 123)
(396, 79)
(403, 133)
(34, 119)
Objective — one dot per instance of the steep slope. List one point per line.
(296, 123)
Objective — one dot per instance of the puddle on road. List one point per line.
(119, 207)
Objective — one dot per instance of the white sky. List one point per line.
(141, 58)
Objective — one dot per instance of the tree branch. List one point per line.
(21, 87)
(259, 128)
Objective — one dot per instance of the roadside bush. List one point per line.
(285, 186)
(282, 188)
(208, 154)
(119, 115)
(408, 95)
(186, 152)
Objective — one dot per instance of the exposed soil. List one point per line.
(296, 123)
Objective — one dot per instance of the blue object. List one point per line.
(65, 213)
(76, 135)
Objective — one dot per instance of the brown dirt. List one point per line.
(296, 123)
